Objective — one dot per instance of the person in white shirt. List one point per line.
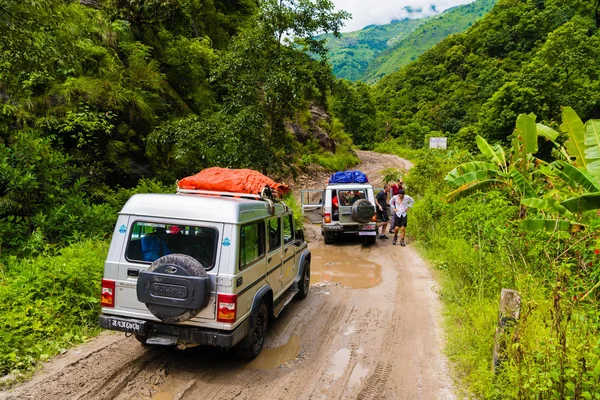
(400, 204)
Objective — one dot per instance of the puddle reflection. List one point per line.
(339, 267)
(278, 356)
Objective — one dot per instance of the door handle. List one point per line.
(269, 259)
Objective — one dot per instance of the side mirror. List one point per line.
(299, 237)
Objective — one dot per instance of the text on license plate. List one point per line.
(127, 326)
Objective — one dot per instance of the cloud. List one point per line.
(380, 12)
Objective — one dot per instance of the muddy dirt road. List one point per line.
(368, 330)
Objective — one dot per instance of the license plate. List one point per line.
(127, 325)
(335, 228)
(366, 233)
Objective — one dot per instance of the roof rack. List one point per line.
(215, 193)
(265, 195)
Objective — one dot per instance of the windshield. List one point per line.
(150, 241)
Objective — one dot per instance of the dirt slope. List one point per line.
(368, 330)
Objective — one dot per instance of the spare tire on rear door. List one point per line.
(175, 288)
(363, 211)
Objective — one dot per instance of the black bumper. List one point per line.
(185, 334)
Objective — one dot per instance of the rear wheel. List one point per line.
(253, 344)
(328, 238)
(304, 284)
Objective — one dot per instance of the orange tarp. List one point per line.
(231, 180)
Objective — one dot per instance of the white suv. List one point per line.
(203, 267)
(343, 209)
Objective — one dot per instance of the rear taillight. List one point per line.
(327, 217)
(226, 308)
(107, 298)
(374, 218)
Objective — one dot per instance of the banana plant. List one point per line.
(498, 171)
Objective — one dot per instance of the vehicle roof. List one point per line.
(351, 186)
(199, 207)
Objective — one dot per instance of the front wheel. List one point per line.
(304, 284)
(252, 345)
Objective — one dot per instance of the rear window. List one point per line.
(149, 241)
(349, 197)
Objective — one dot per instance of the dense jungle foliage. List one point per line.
(96, 95)
(523, 56)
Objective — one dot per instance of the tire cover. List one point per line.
(363, 211)
(186, 266)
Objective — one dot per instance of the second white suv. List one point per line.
(343, 209)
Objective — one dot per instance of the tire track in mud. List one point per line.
(112, 367)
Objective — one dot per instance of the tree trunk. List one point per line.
(508, 316)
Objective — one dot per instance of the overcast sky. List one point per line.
(379, 12)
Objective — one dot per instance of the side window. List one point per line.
(252, 239)
(288, 229)
(274, 228)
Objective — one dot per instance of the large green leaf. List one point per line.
(575, 129)
(526, 133)
(575, 177)
(580, 204)
(522, 183)
(470, 188)
(547, 132)
(487, 150)
(592, 148)
(547, 225)
(549, 205)
(501, 155)
(472, 166)
(469, 177)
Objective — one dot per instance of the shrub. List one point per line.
(48, 303)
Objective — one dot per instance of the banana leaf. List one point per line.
(487, 150)
(546, 132)
(469, 177)
(472, 166)
(548, 205)
(580, 204)
(575, 129)
(549, 225)
(575, 177)
(526, 133)
(522, 183)
(471, 188)
(501, 155)
(592, 148)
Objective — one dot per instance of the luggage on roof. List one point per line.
(354, 176)
(231, 180)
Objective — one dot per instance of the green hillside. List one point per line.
(424, 37)
(521, 57)
(351, 54)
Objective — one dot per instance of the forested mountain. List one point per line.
(352, 53)
(377, 50)
(524, 56)
(424, 37)
(96, 95)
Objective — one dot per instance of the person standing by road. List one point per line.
(382, 210)
(400, 205)
(394, 192)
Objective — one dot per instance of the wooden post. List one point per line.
(508, 316)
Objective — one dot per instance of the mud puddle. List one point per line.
(333, 265)
(277, 356)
